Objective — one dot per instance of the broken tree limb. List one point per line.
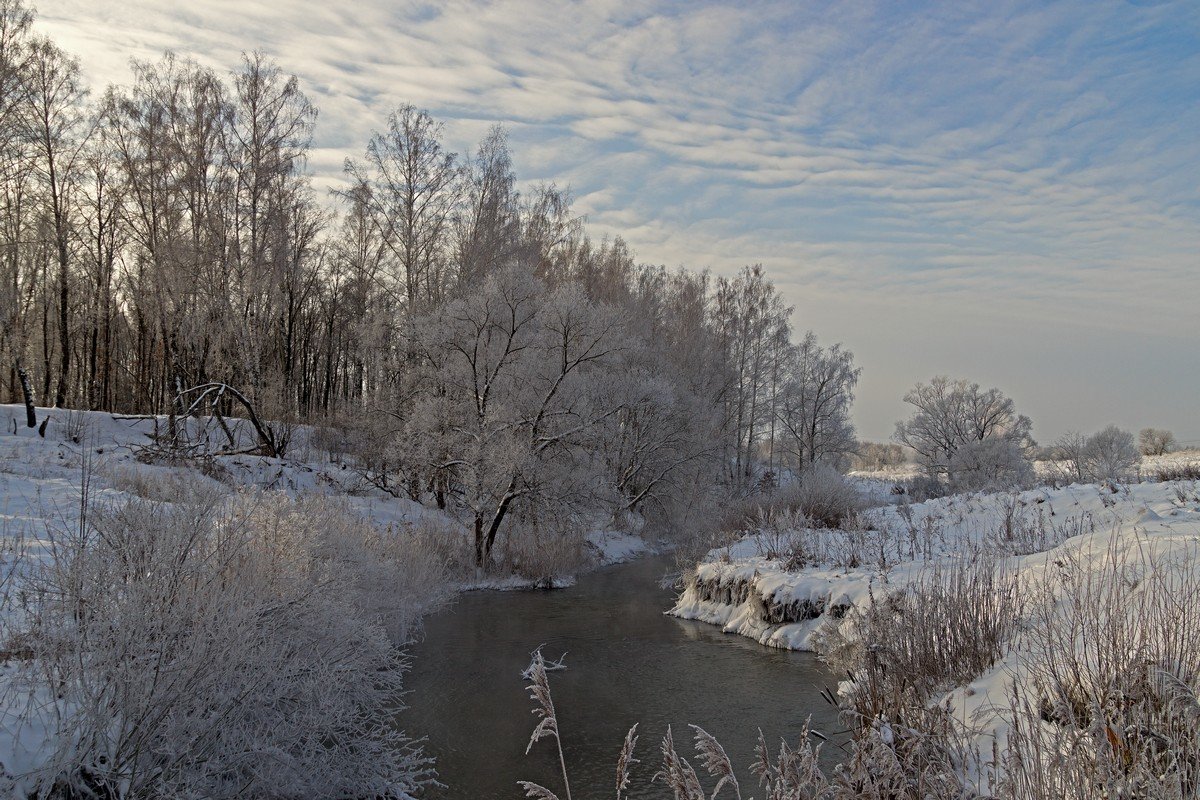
(266, 439)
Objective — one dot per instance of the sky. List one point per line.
(1001, 191)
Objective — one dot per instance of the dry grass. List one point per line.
(1114, 670)
(946, 629)
(886, 762)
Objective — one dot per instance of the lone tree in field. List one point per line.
(1155, 441)
(958, 426)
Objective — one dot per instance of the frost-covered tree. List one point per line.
(993, 464)
(15, 187)
(877, 455)
(1108, 454)
(487, 225)
(1155, 441)
(814, 403)
(412, 185)
(1070, 450)
(57, 127)
(514, 376)
(949, 415)
(752, 325)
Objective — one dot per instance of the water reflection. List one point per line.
(627, 662)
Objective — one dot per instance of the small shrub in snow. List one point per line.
(921, 488)
(1177, 472)
(161, 485)
(1027, 527)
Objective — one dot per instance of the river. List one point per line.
(626, 662)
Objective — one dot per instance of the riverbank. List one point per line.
(1053, 575)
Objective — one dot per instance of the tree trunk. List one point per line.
(479, 541)
(27, 392)
(494, 528)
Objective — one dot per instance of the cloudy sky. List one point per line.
(1004, 191)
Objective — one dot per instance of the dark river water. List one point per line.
(626, 662)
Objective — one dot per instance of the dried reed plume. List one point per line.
(539, 693)
(716, 761)
(626, 760)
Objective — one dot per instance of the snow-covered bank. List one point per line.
(748, 588)
(1070, 636)
(40, 479)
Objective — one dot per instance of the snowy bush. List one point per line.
(823, 496)
(215, 648)
(989, 465)
(544, 553)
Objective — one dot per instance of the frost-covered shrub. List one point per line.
(990, 465)
(822, 495)
(392, 576)
(544, 554)
(161, 484)
(920, 488)
(221, 648)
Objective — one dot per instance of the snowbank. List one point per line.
(746, 591)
